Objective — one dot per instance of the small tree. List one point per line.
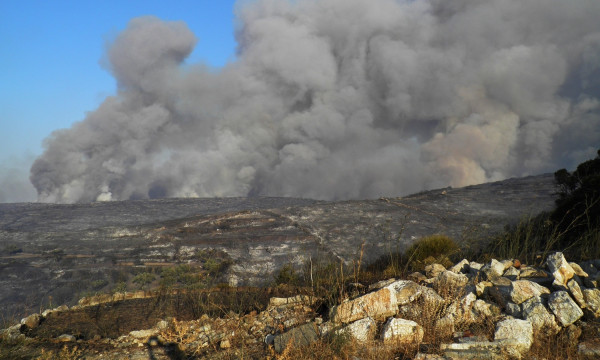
(578, 205)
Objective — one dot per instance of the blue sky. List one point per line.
(50, 51)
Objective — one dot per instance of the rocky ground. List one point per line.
(497, 310)
(55, 254)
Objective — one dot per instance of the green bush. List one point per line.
(287, 276)
(578, 205)
(430, 249)
(143, 279)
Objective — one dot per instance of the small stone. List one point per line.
(564, 308)
(493, 269)
(517, 263)
(560, 269)
(461, 267)
(481, 287)
(512, 273)
(224, 344)
(578, 270)
(66, 338)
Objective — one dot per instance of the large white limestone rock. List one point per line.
(401, 331)
(378, 305)
(361, 330)
(516, 335)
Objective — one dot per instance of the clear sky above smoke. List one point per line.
(328, 99)
(50, 72)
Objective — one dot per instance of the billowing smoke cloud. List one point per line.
(338, 99)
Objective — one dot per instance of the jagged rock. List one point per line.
(66, 338)
(474, 268)
(541, 319)
(406, 291)
(589, 350)
(512, 273)
(401, 331)
(522, 290)
(536, 275)
(32, 321)
(515, 334)
(461, 267)
(513, 310)
(507, 264)
(578, 270)
(501, 281)
(483, 308)
(428, 304)
(448, 284)
(592, 302)
(482, 286)
(434, 270)
(560, 269)
(224, 344)
(564, 308)
(377, 305)
(361, 330)
(492, 270)
(300, 336)
(575, 291)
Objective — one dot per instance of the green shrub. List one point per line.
(143, 279)
(287, 276)
(430, 249)
(577, 210)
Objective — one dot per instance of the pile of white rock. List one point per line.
(522, 301)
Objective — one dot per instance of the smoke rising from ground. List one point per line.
(339, 99)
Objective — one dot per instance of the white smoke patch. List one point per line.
(339, 99)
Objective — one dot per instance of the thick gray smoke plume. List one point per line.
(339, 99)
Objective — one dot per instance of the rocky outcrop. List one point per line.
(400, 312)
